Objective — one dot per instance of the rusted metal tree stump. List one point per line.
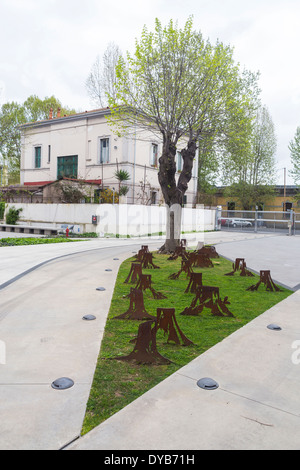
(185, 268)
(134, 273)
(147, 261)
(209, 251)
(144, 249)
(209, 297)
(240, 265)
(194, 283)
(145, 282)
(179, 251)
(166, 321)
(265, 278)
(145, 349)
(136, 310)
(200, 260)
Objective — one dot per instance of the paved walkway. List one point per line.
(257, 403)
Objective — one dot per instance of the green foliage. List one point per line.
(12, 115)
(2, 209)
(108, 196)
(250, 195)
(180, 86)
(13, 215)
(32, 241)
(294, 148)
(117, 383)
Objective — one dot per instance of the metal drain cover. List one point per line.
(108, 269)
(115, 258)
(207, 383)
(100, 288)
(89, 317)
(62, 383)
(273, 326)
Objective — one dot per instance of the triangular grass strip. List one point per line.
(117, 383)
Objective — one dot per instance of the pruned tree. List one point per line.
(184, 89)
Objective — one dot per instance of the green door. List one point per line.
(67, 166)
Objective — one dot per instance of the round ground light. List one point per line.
(273, 326)
(62, 383)
(207, 383)
(89, 317)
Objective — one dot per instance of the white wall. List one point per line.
(122, 219)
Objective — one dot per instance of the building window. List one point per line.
(37, 156)
(49, 153)
(67, 167)
(153, 197)
(104, 150)
(154, 155)
(179, 161)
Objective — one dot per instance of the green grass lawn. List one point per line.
(15, 241)
(117, 383)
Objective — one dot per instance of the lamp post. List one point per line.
(284, 188)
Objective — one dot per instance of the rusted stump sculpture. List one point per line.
(134, 273)
(147, 261)
(145, 349)
(200, 260)
(265, 278)
(240, 265)
(194, 283)
(179, 251)
(144, 249)
(167, 322)
(185, 267)
(209, 251)
(145, 257)
(209, 297)
(145, 282)
(136, 310)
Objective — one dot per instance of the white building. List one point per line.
(83, 146)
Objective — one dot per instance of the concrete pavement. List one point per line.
(257, 403)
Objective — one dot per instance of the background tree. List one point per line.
(181, 87)
(12, 115)
(249, 164)
(294, 148)
(102, 78)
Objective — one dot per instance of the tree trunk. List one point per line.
(173, 193)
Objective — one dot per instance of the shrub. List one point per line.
(2, 209)
(13, 215)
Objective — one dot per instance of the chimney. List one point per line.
(51, 113)
(58, 113)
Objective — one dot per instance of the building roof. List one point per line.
(66, 118)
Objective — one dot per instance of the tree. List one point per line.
(102, 78)
(294, 148)
(183, 88)
(12, 115)
(122, 175)
(249, 166)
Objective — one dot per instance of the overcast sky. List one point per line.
(49, 46)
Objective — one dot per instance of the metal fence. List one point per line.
(259, 221)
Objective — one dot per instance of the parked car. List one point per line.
(223, 221)
(240, 223)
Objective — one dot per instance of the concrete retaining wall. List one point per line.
(122, 219)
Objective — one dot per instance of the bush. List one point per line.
(2, 209)
(13, 215)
